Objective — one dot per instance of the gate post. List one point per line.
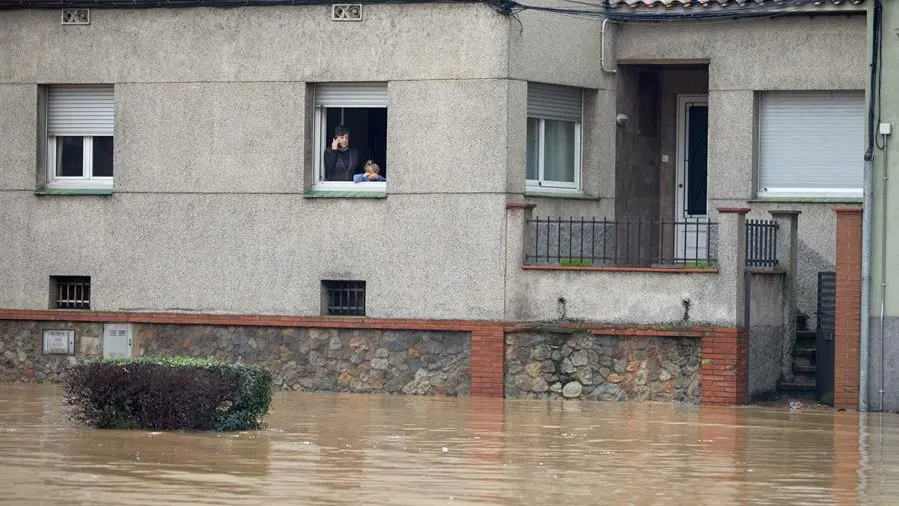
(787, 259)
(847, 323)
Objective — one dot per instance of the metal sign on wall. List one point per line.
(59, 342)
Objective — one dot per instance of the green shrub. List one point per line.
(168, 394)
(575, 262)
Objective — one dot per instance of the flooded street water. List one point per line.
(324, 449)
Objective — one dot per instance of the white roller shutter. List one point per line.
(351, 95)
(549, 101)
(80, 111)
(811, 143)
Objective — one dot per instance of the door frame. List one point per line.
(681, 150)
(680, 180)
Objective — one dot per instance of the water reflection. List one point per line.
(370, 449)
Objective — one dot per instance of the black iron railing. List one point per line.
(592, 242)
(761, 243)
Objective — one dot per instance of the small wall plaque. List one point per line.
(346, 12)
(59, 342)
(76, 16)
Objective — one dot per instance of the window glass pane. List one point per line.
(102, 157)
(533, 147)
(558, 151)
(367, 140)
(70, 156)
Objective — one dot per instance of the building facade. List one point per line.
(174, 160)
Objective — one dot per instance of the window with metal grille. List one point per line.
(70, 292)
(343, 298)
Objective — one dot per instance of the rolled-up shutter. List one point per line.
(549, 101)
(80, 111)
(351, 95)
(811, 143)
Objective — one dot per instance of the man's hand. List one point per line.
(335, 144)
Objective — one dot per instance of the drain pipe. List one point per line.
(602, 48)
(867, 222)
(883, 257)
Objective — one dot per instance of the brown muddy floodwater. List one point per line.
(324, 449)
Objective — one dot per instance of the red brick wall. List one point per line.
(848, 314)
(724, 367)
(487, 375)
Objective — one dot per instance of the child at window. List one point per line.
(371, 174)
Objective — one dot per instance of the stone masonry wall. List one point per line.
(337, 360)
(332, 360)
(615, 368)
(21, 349)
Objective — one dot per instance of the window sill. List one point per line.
(807, 200)
(344, 194)
(97, 192)
(557, 193)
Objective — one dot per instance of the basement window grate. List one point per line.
(343, 298)
(70, 292)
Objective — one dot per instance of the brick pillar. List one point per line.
(487, 347)
(848, 315)
(723, 370)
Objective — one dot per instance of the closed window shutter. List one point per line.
(80, 111)
(811, 143)
(548, 101)
(351, 95)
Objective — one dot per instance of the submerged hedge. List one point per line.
(168, 394)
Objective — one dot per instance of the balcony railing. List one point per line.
(592, 242)
(761, 243)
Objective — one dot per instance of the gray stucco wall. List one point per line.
(213, 154)
(766, 335)
(255, 44)
(883, 367)
(616, 297)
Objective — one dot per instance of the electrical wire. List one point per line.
(745, 11)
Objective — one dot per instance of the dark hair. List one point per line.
(341, 130)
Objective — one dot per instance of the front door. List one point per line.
(691, 183)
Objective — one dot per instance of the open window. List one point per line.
(554, 137)
(360, 108)
(80, 122)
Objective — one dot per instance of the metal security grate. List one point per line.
(71, 292)
(761, 243)
(585, 242)
(344, 298)
(827, 301)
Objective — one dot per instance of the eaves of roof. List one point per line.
(737, 5)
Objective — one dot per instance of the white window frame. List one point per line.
(320, 138)
(543, 184)
(86, 131)
(87, 179)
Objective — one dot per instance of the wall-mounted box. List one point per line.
(59, 342)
